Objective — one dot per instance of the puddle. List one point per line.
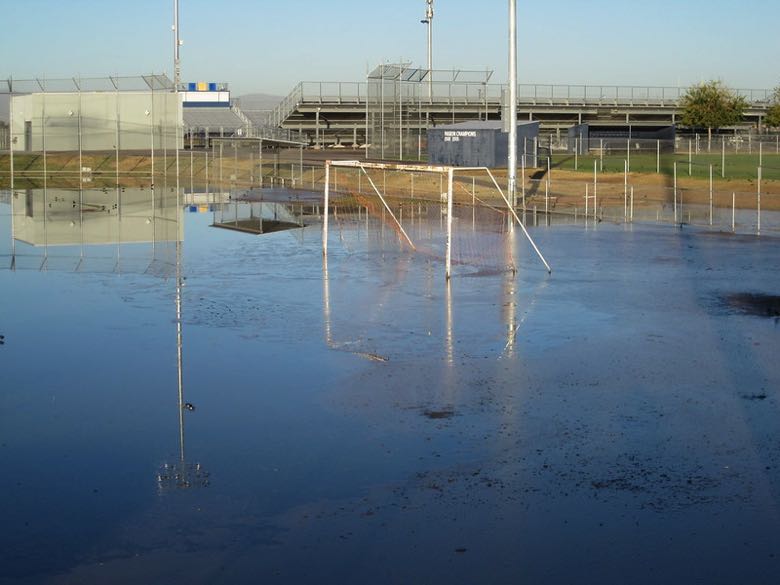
(353, 404)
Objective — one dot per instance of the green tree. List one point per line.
(711, 105)
(772, 118)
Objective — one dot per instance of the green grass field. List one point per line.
(738, 166)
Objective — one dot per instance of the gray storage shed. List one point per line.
(481, 144)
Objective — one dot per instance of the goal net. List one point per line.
(458, 216)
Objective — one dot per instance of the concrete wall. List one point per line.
(63, 120)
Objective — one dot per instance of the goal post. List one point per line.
(445, 173)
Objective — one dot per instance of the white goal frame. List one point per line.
(435, 169)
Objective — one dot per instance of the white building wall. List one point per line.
(96, 121)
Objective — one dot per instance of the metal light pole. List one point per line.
(177, 42)
(512, 146)
(429, 21)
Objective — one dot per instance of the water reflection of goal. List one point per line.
(426, 209)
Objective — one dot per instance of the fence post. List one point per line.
(690, 156)
(587, 196)
(733, 212)
(207, 177)
(625, 190)
(675, 191)
(658, 157)
(595, 190)
(576, 153)
(522, 178)
(723, 158)
(632, 204)
(628, 153)
(758, 203)
(547, 199)
(710, 194)
(601, 156)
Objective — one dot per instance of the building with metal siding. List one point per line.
(480, 144)
(96, 121)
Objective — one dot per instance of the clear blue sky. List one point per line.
(268, 46)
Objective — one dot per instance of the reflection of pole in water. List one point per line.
(181, 475)
(510, 302)
(11, 168)
(13, 232)
(45, 227)
(326, 301)
(81, 224)
(448, 338)
(180, 369)
(448, 398)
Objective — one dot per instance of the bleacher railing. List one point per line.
(337, 92)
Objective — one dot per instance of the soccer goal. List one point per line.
(410, 198)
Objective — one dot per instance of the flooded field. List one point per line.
(235, 408)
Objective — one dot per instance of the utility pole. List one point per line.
(512, 146)
(177, 42)
(429, 21)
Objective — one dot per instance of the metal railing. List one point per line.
(152, 82)
(339, 93)
(287, 105)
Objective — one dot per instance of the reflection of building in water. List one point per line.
(142, 231)
(181, 474)
(123, 230)
(55, 217)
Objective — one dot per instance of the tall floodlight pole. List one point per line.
(176, 44)
(429, 21)
(512, 146)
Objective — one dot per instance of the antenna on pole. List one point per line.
(512, 146)
(177, 42)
